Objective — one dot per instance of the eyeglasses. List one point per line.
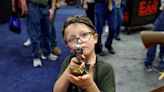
(83, 37)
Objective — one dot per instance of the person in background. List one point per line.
(105, 10)
(55, 49)
(99, 75)
(38, 17)
(120, 6)
(151, 52)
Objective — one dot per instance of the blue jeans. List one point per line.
(38, 29)
(119, 21)
(158, 26)
(53, 40)
(102, 13)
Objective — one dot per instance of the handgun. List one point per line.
(80, 70)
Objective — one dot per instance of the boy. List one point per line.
(99, 76)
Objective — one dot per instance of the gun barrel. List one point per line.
(152, 38)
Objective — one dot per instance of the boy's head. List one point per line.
(78, 19)
(80, 30)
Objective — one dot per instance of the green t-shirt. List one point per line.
(42, 2)
(104, 76)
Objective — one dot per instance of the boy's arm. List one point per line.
(62, 83)
(93, 88)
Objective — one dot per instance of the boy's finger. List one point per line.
(72, 78)
(74, 60)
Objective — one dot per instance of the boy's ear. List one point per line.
(95, 36)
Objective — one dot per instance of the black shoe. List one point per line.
(117, 38)
(111, 50)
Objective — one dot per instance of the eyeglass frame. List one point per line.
(75, 39)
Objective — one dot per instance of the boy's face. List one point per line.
(81, 34)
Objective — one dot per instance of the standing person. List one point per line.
(99, 75)
(38, 18)
(120, 5)
(151, 52)
(55, 49)
(105, 10)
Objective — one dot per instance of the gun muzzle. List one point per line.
(80, 70)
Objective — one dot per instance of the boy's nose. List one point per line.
(78, 40)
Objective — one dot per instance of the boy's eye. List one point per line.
(71, 39)
(84, 35)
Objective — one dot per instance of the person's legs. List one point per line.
(45, 32)
(99, 13)
(150, 56)
(56, 50)
(119, 23)
(112, 27)
(45, 36)
(33, 29)
(161, 55)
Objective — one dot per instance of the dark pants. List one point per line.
(101, 14)
(38, 29)
(53, 34)
(90, 12)
(119, 21)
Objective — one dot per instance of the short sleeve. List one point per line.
(64, 65)
(106, 77)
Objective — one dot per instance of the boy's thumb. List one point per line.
(91, 68)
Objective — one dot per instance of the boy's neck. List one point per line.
(91, 59)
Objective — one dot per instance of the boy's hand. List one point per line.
(84, 81)
(76, 66)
